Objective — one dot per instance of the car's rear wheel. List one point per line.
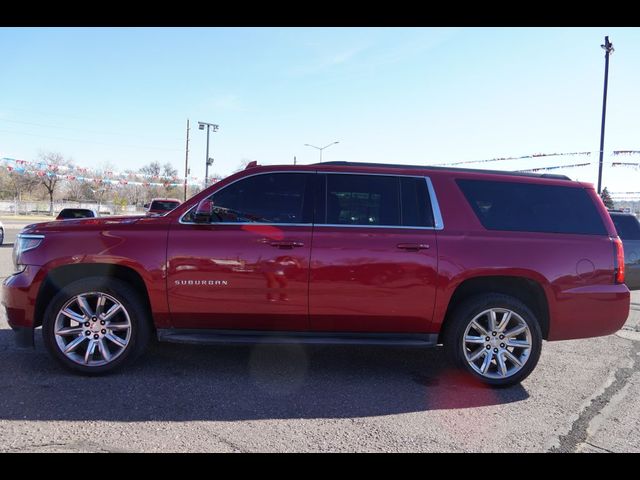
(1, 235)
(96, 325)
(495, 337)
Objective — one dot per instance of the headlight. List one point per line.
(24, 242)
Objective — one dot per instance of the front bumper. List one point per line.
(19, 295)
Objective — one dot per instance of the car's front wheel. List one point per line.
(95, 325)
(494, 337)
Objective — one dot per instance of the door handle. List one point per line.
(285, 244)
(413, 247)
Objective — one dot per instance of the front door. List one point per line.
(248, 268)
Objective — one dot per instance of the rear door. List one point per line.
(248, 268)
(373, 261)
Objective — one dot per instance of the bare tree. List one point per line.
(164, 174)
(77, 191)
(49, 177)
(17, 184)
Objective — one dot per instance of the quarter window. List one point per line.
(529, 207)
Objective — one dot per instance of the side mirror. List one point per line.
(146, 205)
(204, 211)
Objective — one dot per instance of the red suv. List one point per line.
(486, 263)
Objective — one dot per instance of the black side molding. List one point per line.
(250, 337)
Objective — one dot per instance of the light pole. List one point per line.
(209, 161)
(608, 47)
(320, 148)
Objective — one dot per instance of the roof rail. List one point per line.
(443, 168)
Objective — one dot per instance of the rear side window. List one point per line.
(627, 226)
(363, 200)
(532, 207)
(416, 205)
(381, 200)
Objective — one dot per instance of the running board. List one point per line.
(250, 337)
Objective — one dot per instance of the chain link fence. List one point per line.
(21, 208)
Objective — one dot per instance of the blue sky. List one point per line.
(120, 97)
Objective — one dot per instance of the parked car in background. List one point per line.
(488, 264)
(628, 228)
(1, 233)
(160, 206)
(70, 213)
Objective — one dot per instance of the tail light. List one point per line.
(618, 255)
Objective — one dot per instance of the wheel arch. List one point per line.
(525, 289)
(61, 276)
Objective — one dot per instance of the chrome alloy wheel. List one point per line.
(92, 329)
(497, 343)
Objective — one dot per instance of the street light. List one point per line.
(320, 148)
(208, 161)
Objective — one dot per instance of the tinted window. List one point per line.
(363, 200)
(164, 206)
(75, 213)
(532, 207)
(268, 198)
(416, 206)
(627, 226)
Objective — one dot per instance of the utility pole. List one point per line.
(294, 159)
(186, 163)
(608, 47)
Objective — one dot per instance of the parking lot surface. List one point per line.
(584, 396)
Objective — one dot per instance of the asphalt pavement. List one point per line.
(583, 396)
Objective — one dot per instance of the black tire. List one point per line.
(1, 236)
(460, 354)
(132, 312)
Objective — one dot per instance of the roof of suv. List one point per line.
(443, 168)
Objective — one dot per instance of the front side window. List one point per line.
(264, 198)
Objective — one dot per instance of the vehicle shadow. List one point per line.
(187, 382)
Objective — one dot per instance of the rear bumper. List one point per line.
(590, 311)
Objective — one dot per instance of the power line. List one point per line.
(99, 132)
(92, 142)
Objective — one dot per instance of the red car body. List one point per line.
(333, 279)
